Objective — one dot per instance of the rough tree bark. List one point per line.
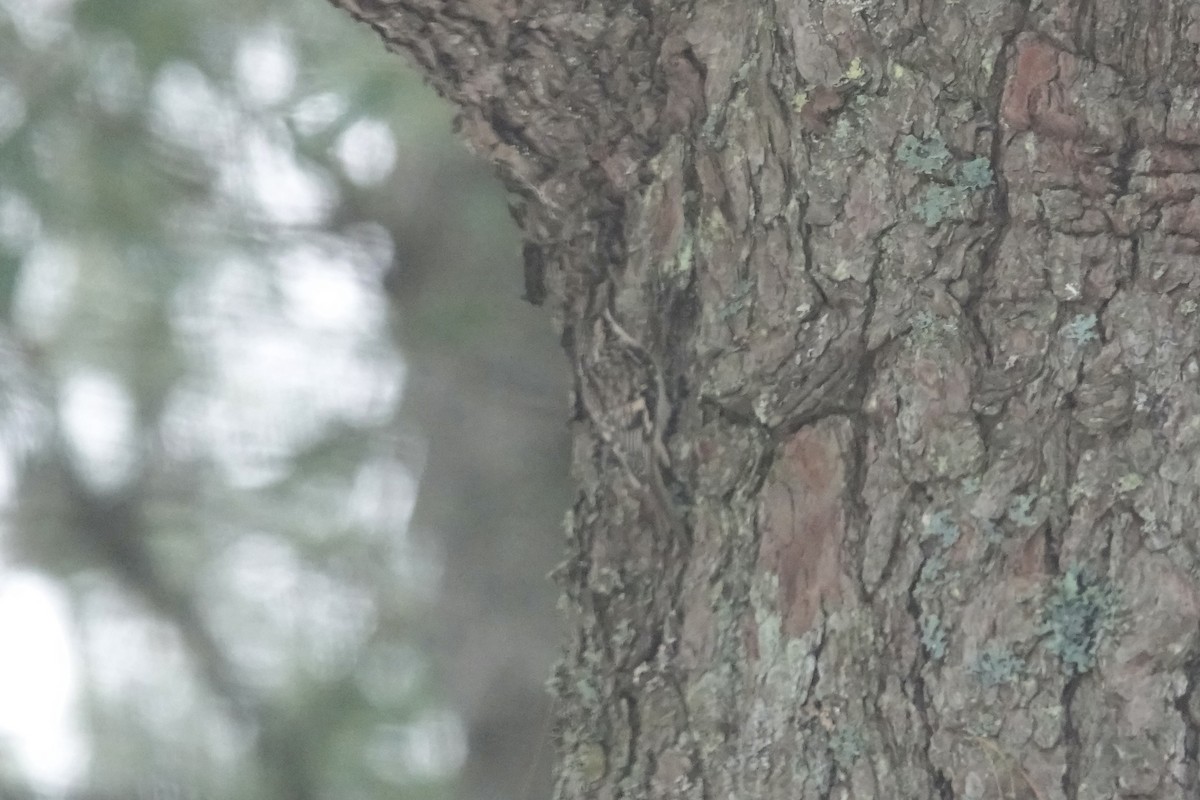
(883, 320)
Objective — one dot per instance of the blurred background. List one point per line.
(282, 452)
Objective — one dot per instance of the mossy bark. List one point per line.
(887, 419)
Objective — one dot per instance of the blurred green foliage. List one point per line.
(190, 192)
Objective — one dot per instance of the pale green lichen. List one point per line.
(591, 762)
(996, 665)
(737, 302)
(843, 129)
(1129, 482)
(855, 70)
(939, 203)
(1020, 510)
(942, 526)
(1081, 329)
(924, 156)
(933, 570)
(1082, 609)
(975, 174)
(932, 157)
(789, 661)
(846, 745)
(684, 255)
(927, 327)
(933, 636)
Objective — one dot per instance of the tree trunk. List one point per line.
(883, 322)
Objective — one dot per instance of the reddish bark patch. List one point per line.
(1031, 557)
(667, 220)
(685, 86)
(805, 524)
(822, 103)
(1033, 95)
